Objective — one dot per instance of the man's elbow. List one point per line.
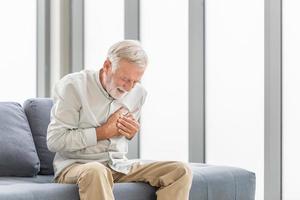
(53, 144)
(52, 147)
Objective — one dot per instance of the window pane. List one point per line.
(164, 34)
(235, 85)
(17, 50)
(291, 99)
(103, 26)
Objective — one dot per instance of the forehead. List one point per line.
(130, 70)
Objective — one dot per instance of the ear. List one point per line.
(107, 66)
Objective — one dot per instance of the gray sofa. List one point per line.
(26, 171)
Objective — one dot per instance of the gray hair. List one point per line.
(129, 50)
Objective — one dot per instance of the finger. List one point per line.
(129, 125)
(124, 128)
(124, 112)
(124, 133)
(130, 116)
(121, 110)
(130, 121)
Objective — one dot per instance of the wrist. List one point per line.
(101, 133)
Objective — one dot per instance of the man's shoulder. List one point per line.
(73, 82)
(75, 77)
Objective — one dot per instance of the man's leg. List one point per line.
(173, 178)
(94, 180)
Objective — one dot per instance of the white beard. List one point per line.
(115, 92)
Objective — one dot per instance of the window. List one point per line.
(164, 35)
(103, 26)
(18, 50)
(291, 99)
(235, 85)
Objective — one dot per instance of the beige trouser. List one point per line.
(95, 180)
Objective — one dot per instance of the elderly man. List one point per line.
(95, 114)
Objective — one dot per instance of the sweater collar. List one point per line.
(101, 87)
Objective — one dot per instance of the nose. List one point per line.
(128, 85)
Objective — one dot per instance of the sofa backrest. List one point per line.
(18, 155)
(37, 111)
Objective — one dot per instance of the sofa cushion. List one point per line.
(210, 182)
(18, 156)
(42, 187)
(38, 115)
(51, 191)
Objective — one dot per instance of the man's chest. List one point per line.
(95, 114)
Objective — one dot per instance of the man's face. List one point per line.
(123, 79)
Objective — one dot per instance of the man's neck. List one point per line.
(102, 79)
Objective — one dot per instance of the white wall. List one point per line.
(164, 34)
(17, 50)
(235, 85)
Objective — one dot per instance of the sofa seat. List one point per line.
(209, 183)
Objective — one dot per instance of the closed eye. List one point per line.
(129, 81)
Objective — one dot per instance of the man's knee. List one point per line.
(184, 171)
(94, 170)
(94, 174)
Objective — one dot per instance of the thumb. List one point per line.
(122, 110)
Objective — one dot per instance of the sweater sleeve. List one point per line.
(137, 111)
(63, 132)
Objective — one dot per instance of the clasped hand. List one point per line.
(127, 125)
(118, 124)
